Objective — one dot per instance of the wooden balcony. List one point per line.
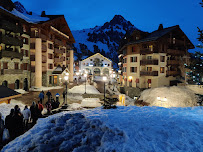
(149, 62)
(68, 47)
(68, 62)
(44, 68)
(44, 48)
(146, 51)
(44, 37)
(148, 73)
(172, 73)
(11, 54)
(9, 26)
(56, 50)
(44, 59)
(68, 55)
(58, 42)
(175, 52)
(13, 41)
(32, 57)
(58, 59)
(173, 62)
(11, 71)
(32, 69)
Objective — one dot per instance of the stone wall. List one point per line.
(11, 78)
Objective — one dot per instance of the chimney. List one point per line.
(30, 13)
(43, 14)
(160, 27)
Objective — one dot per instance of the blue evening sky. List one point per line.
(144, 14)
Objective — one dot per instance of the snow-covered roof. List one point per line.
(34, 18)
(98, 54)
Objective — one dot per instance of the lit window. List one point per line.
(151, 47)
(161, 69)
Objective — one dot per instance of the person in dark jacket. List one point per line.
(9, 123)
(48, 95)
(18, 121)
(49, 107)
(34, 113)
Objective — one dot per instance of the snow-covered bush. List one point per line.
(169, 97)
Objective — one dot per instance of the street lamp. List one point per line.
(85, 75)
(66, 80)
(104, 79)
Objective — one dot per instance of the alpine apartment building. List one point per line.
(14, 51)
(51, 46)
(32, 47)
(149, 60)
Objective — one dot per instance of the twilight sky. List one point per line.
(144, 14)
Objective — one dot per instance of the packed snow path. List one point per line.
(124, 129)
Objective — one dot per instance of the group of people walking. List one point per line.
(18, 122)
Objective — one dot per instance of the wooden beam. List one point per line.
(11, 97)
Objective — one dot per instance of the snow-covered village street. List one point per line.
(101, 76)
(130, 128)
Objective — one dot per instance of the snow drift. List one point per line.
(169, 97)
(123, 129)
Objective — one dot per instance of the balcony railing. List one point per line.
(68, 47)
(44, 59)
(8, 26)
(172, 62)
(172, 73)
(175, 52)
(56, 50)
(44, 69)
(14, 41)
(44, 48)
(58, 42)
(58, 59)
(149, 62)
(11, 71)
(148, 73)
(32, 57)
(146, 51)
(44, 37)
(11, 54)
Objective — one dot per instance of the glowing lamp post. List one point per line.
(85, 75)
(104, 79)
(66, 80)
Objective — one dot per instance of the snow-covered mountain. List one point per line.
(103, 39)
(19, 7)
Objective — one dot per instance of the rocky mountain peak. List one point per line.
(118, 19)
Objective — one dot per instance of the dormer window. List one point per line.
(151, 47)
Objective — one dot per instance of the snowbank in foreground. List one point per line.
(124, 129)
(81, 89)
(169, 97)
(6, 108)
